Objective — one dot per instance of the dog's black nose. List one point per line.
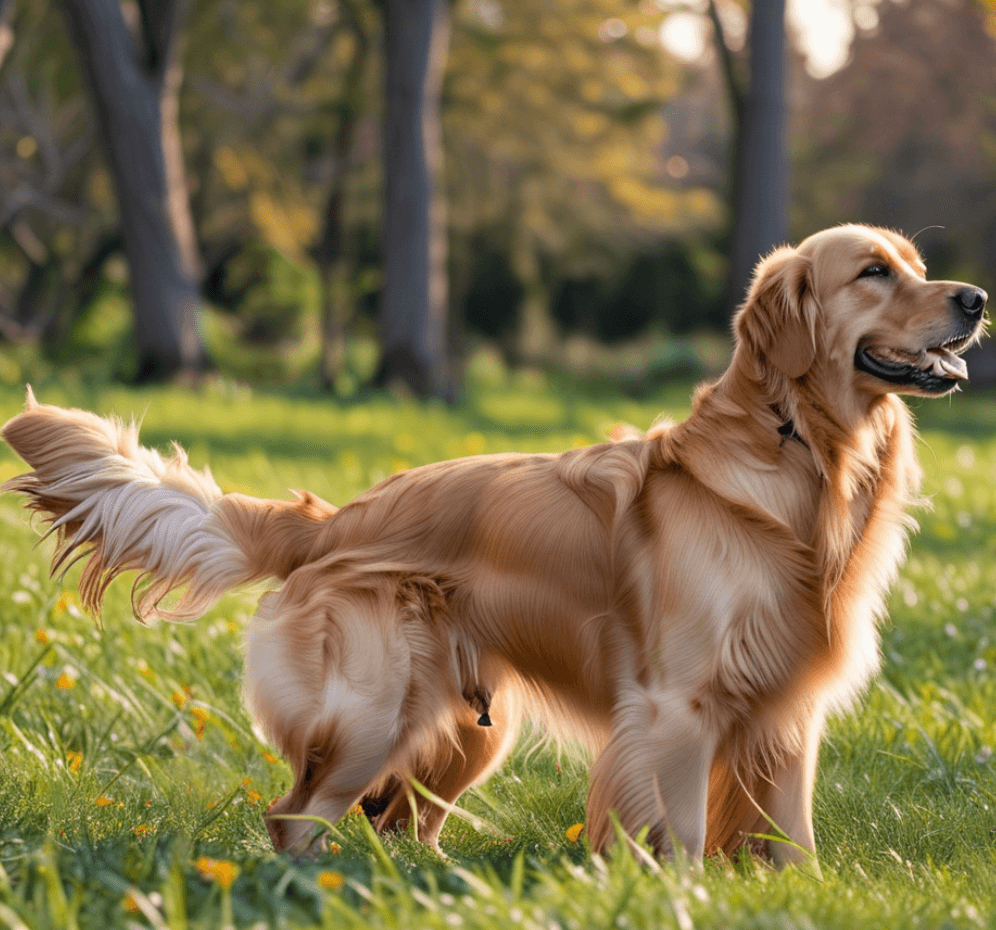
(971, 300)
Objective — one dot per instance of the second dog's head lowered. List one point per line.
(851, 308)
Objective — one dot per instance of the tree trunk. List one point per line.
(536, 332)
(39, 301)
(413, 306)
(330, 252)
(134, 86)
(760, 171)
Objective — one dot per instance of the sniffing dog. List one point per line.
(693, 603)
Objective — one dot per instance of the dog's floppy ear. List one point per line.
(778, 319)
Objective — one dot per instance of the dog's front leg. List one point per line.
(790, 802)
(654, 772)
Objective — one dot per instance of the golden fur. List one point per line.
(692, 603)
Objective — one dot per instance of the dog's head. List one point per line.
(852, 306)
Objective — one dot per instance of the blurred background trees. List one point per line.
(580, 202)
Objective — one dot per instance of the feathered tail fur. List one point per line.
(123, 507)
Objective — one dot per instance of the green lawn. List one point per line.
(132, 784)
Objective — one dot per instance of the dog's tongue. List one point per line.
(945, 364)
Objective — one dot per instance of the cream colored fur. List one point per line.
(692, 603)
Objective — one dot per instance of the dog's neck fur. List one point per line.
(824, 487)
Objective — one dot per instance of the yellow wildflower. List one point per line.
(253, 796)
(331, 880)
(103, 801)
(129, 903)
(75, 760)
(62, 604)
(66, 681)
(179, 698)
(201, 716)
(270, 757)
(43, 637)
(141, 830)
(574, 833)
(221, 871)
(225, 874)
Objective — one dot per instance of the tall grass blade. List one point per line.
(17, 690)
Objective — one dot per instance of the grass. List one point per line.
(132, 783)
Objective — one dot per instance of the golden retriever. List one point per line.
(692, 603)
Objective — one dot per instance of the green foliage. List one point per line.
(273, 336)
(554, 132)
(132, 783)
(661, 289)
(560, 105)
(258, 114)
(57, 197)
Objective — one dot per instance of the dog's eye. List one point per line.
(878, 270)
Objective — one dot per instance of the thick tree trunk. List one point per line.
(134, 88)
(760, 172)
(413, 305)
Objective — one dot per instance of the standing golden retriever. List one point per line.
(693, 603)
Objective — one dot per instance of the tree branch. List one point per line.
(28, 187)
(734, 83)
(258, 103)
(347, 109)
(160, 22)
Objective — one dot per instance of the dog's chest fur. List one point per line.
(790, 578)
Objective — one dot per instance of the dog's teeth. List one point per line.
(896, 356)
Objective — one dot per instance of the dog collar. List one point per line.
(787, 429)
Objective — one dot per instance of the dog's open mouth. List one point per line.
(933, 371)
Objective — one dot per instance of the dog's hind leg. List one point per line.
(479, 750)
(654, 773)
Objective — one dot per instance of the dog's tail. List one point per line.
(122, 507)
